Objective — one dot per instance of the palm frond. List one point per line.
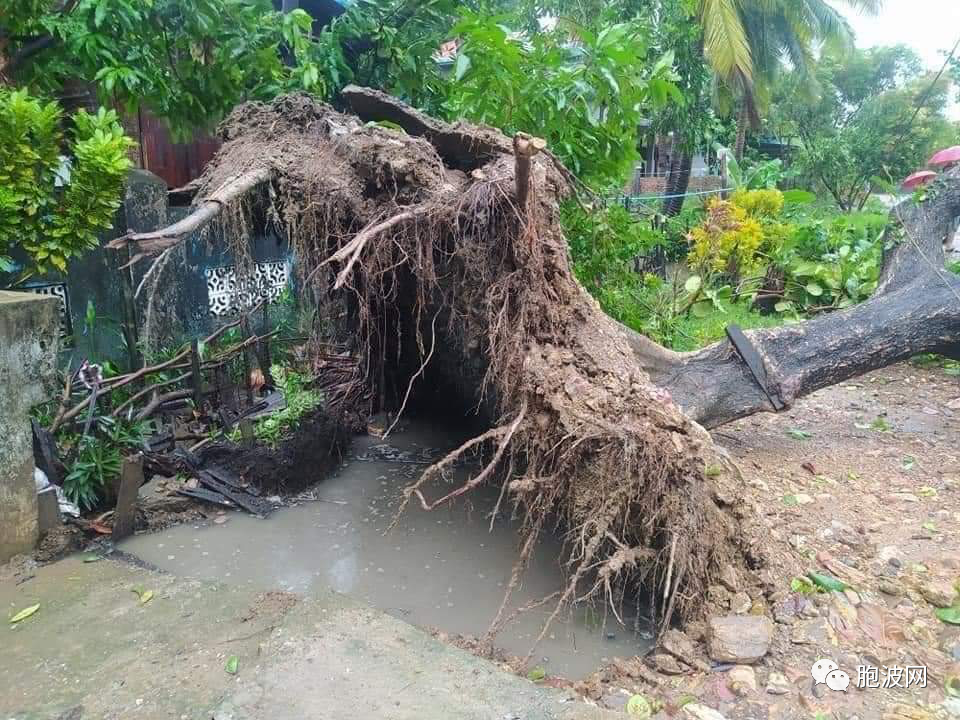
(725, 41)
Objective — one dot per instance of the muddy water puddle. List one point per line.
(443, 569)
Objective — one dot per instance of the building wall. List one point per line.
(28, 355)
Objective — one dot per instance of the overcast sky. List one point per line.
(931, 27)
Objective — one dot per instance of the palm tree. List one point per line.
(745, 42)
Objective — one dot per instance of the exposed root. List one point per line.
(447, 230)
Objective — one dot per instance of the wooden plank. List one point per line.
(125, 514)
(242, 499)
(206, 495)
(196, 378)
(227, 477)
(741, 343)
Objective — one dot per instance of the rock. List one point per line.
(954, 404)
(740, 603)
(803, 499)
(939, 593)
(679, 645)
(702, 712)
(890, 587)
(814, 632)
(904, 497)
(742, 680)
(952, 707)
(739, 639)
(777, 684)
(667, 664)
(853, 597)
(718, 596)
(728, 578)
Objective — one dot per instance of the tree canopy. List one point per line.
(876, 118)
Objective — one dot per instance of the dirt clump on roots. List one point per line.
(433, 264)
(310, 453)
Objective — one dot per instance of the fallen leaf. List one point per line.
(24, 614)
(909, 462)
(798, 434)
(639, 707)
(536, 674)
(950, 615)
(144, 596)
(92, 558)
(233, 664)
(808, 466)
(220, 519)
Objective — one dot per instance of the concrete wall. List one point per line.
(29, 335)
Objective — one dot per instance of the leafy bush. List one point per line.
(55, 206)
(585, 98)
(97, 460)
(604, 243)
(300, 401)
(728, 242)
(831, 263)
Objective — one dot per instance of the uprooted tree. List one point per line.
(437, 253)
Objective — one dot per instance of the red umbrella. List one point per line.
(918, 179)
(945, 157)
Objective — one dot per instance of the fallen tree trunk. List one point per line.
(440, 260)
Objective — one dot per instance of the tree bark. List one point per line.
(916, 309)
(678, 183)
(743, 124)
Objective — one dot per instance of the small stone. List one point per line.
(954, 404)
(728, 578)
(890, 587)
(891, 555)
(702, 712)
(813, 632)
(803, 499)
(742, 680)
(853, 597)
(718, 596)
(667, 664)
(739, 639)
(679, 645)
(938, 593)
(777, 684)
(904, 497)
(741, 603)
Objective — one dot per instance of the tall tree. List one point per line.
(746, 40)
(876, 118)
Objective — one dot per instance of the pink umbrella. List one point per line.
(945, 157)
(918, 179)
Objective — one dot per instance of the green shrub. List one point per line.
(97, 459)
(300, 401)
(831, 263)
(54, 206)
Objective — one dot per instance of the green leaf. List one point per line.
(537, 674)
(233, 665)
(814, 289)
(950, 615)
(639, 707)
(693, 284)
(827, 582)
(92, 558)
(24, 614)
(803, 585)
(790, 500)
(798, 434)
(462, 66)
(909, 462)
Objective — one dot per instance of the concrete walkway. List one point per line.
(93, 650)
